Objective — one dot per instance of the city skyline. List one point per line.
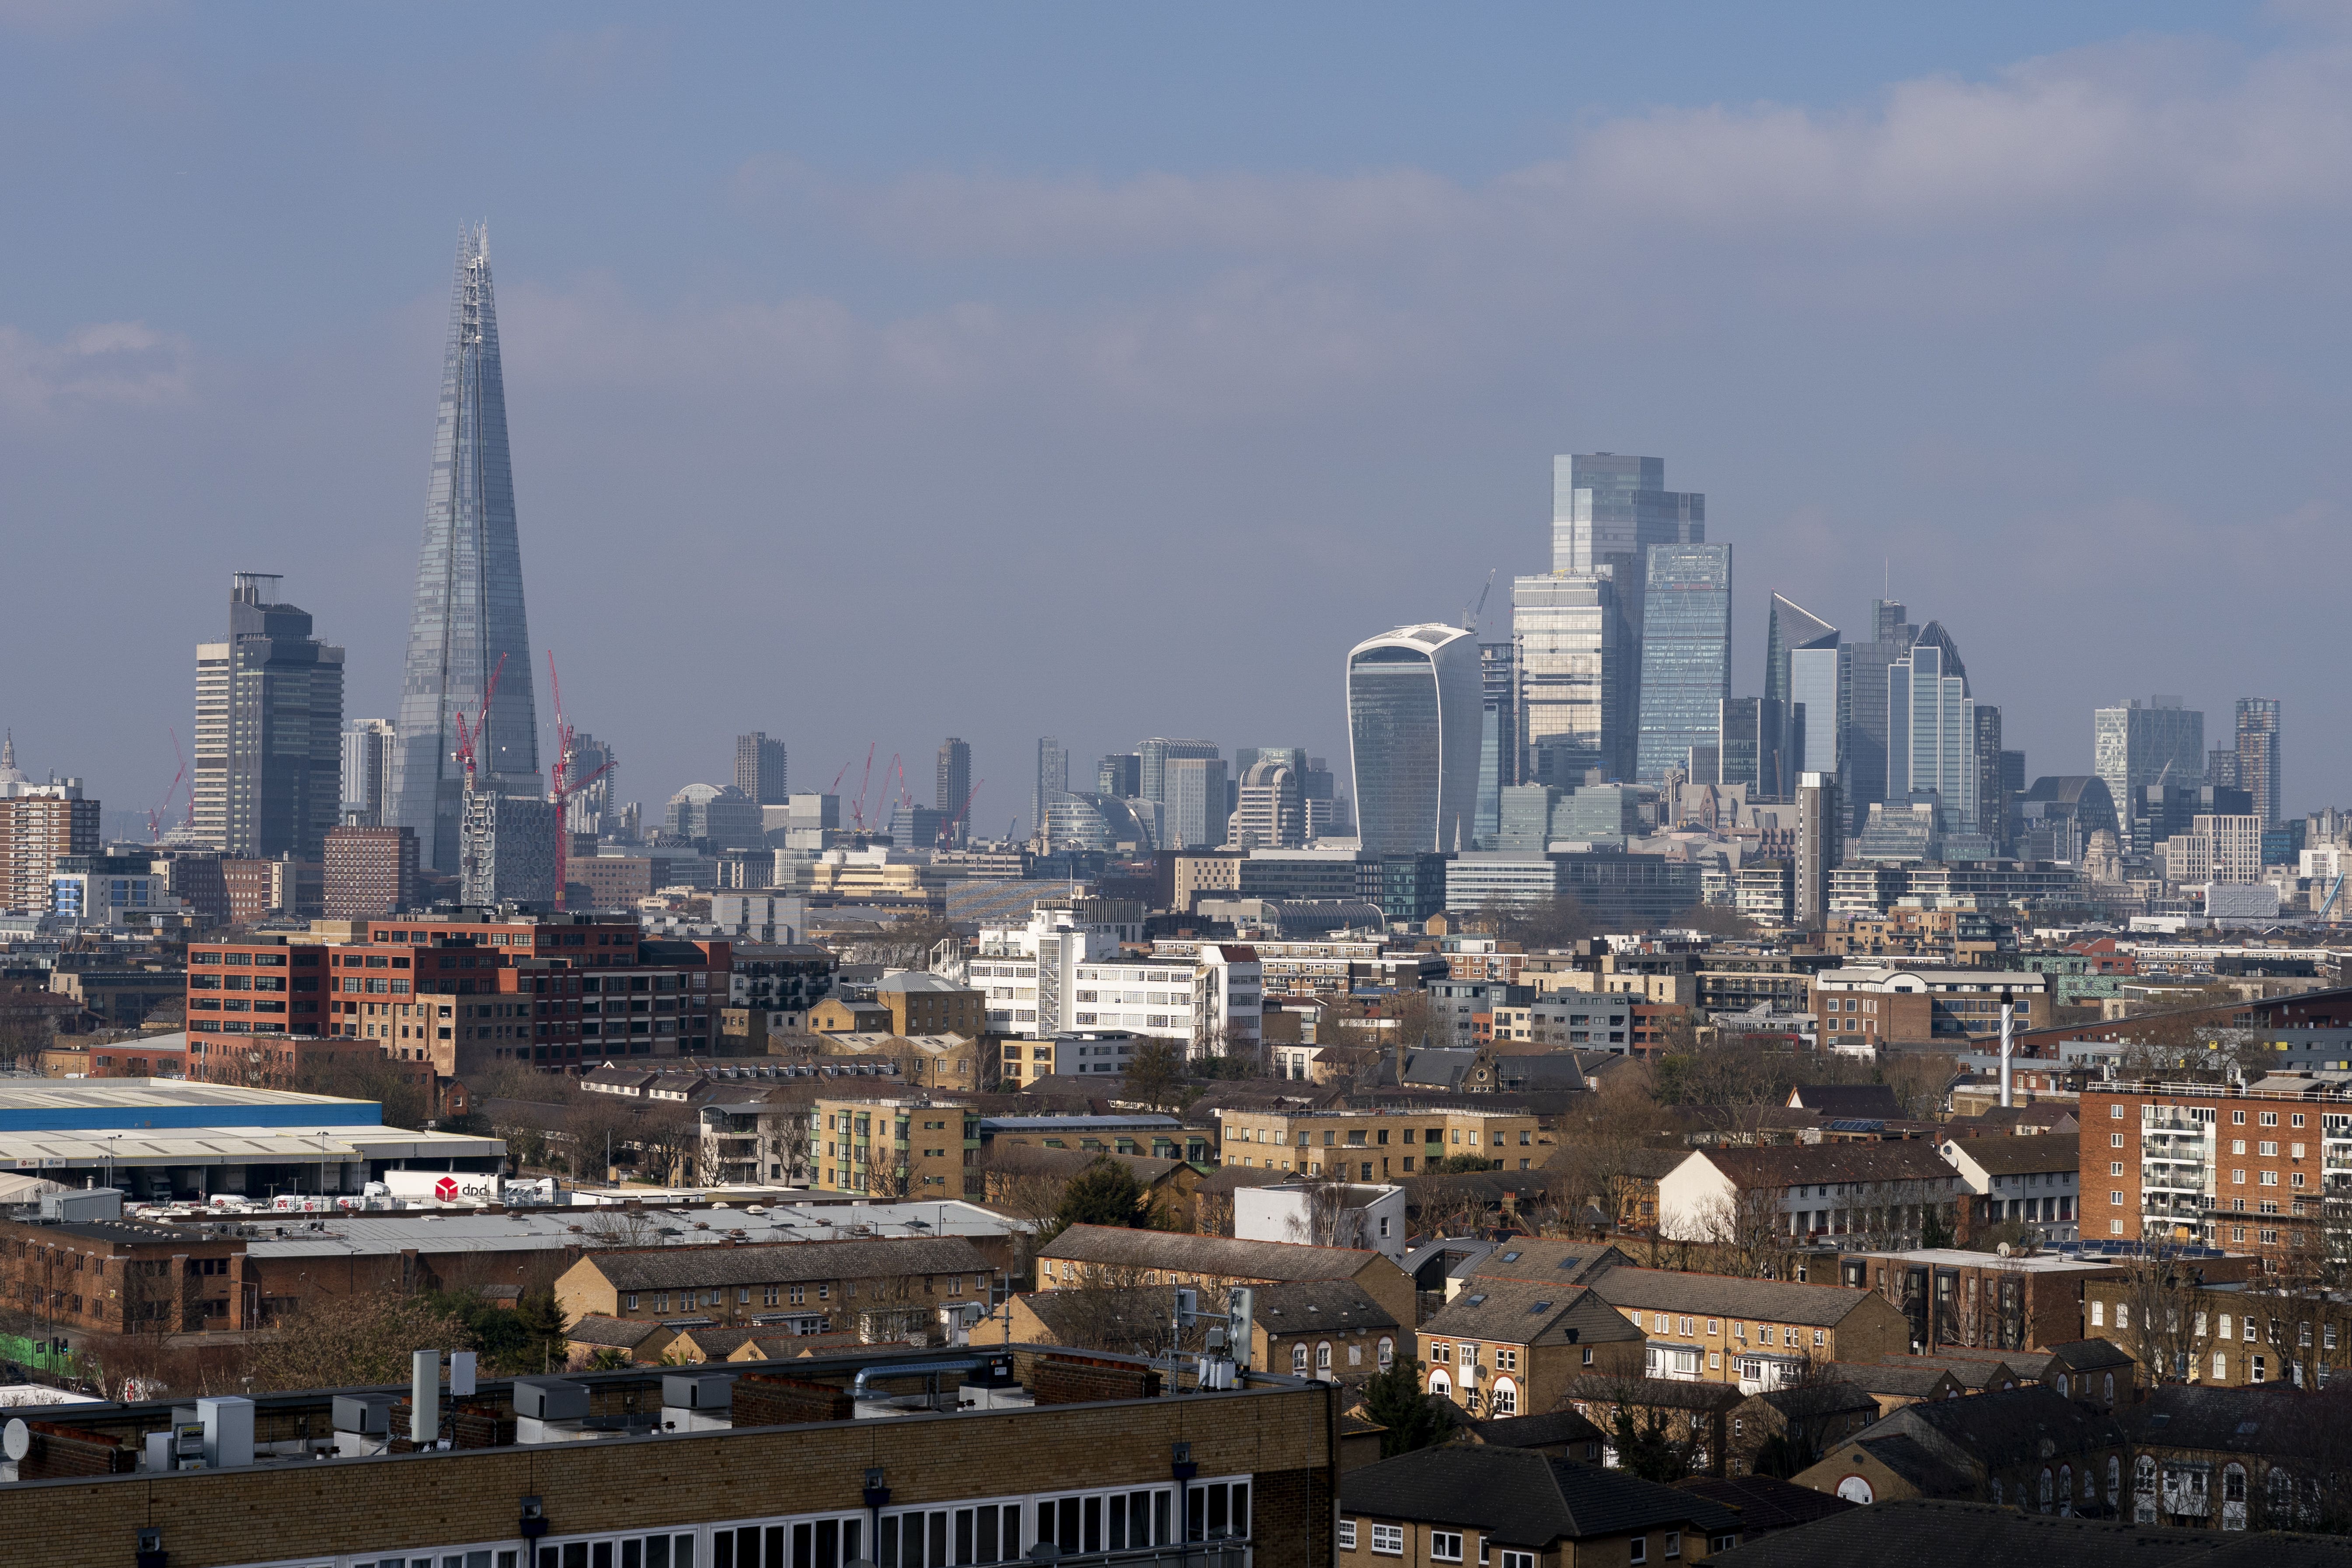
(687, 484)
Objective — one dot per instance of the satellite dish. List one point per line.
(18, 1441)
(2002, 1249)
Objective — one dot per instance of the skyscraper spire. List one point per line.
(468, 611)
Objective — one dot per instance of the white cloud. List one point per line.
(112, 362)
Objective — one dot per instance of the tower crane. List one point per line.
(565, 786)
(155, 816)
(1470, 621)
(947, 828)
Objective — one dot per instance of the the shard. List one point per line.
(469, 613)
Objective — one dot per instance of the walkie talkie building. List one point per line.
(1413, 725)
(469, 613)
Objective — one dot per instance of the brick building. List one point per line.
(256, 890)
(1975, 1300)
(932, 1148)
(1088, 1256)
(35, 830)
(2238, 1170)
(1517, 1507)
(1508, 1347)
(1865, 1004)
(796, 1284)
(1382, 1143)
(370, 872)
(110, 1276)
(264, 985)
(1758, 1333)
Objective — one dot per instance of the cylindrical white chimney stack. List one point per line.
(2008, 1023)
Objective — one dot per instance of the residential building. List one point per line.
(781, 1283)
(1964, 1299)
(109, 1276)
(760, 769)
(1087, 1257)
(2136, 745)
(1074, 1054)
(2258, 764)
(368, 872)
(591, 806)
(2215, 849)
(509, 851)
(256, 890)
(111, 891)
(1873, 1194)
(269, 720)
(1519, 1508)
(898, 1148)
(1685, 643)
(2033, 1179)
(1271, 813)
(2234, 1459)
(1959, 1007)
(2030, 1448)
(1819, 845)
(466, 634)
(366, 771)
(1509, 1347)
(38, 824)
(2245, 1170)
(951, 791)
(1380, 1144)
(1758, 1333)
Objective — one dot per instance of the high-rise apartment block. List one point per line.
(2139, 744)
(466, 628)
(366, 769)
(1820, 847)
(1685, 643)
(2258, 754)
(1412, 732)
(509, 852)
(760, 769)
(370, 872)
(38, 824)
(951, 790)
(589, 807)
(269, 720)
(1052, 779)
(1992, 791)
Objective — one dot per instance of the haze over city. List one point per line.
(1105, 375)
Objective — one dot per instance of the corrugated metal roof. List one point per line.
(48, 1104)
(529, 1230)
(33, 1149)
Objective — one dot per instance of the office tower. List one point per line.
(39, 823)
(1269, 812)
(760, 769)
(370, 872)
(589, 808)
(1791, 628)
(269, 721)
(1413, 737)
(1819, 845)
(2258, 754)
(366, 771)
(467, 626)
(507, 850)
(1754, 748)
(1607, 512)
(1686, 644)
(1931, 731)
(1569, 664)
(1247, 757)
(1194, 815)
(2134, 746)
(916, 827)
(1498, 737)
(1862, 727)
(1052, 779)
(951, 791)
(2222, 767)
(1120, 775)
(1991, 791)
(1153, 757)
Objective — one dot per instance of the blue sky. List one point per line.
(880, 373)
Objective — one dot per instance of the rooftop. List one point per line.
(44, 1105)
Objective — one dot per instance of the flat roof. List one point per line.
(40, 1149)
(530, 1230)
(129, 1103)
(1144, 1122)
(1953, 1258)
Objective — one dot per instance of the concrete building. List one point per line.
(1153, 756)
(2136, 745)
(2258, 755)
(724, 817)
(269, 720)
(368, 872)
(1194, 814)
(111, 891)
(366, 771)
(760, 772)
(1819, 845)
(951, 791)
(1270, 813)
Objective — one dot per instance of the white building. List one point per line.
(1058, 974)
(1324, 1214)
(2034, 1180)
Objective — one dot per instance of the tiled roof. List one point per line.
(2007, 1428)
(1525, 1312)
(620, 1333)
(1847, 1099)
(1219, 1257)
(1897, 1376)
(1521, 1497)
(2272, 1419)
(1920, 1530)
(1807, 1164)
(1720, 1296)
(1529, 1431)
(2084, 1355)
(2027, 1155)
(1767, 1503)
(1312, 1305)
(1544, 1259)
(705, 1268)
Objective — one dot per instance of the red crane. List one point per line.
(857, 812)
(565, 786)
(466, 742)
(947, 828)
(155, 816)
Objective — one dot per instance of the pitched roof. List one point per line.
(1645, 1393)
(1805, 1164)
(620, 1333)
(1847, 1099)
(1766, 1502)
(1529, 1431)
(1310, 1306)
(760, 1263)
(2005, 1427)
(1720, 1296)
(1920, 1529)
(2084, 1355)
(2021, 1156)
(1219, 1257)
(1900, 1376)
(1915, 1462)
(1524, 1312)
(2253, 1420)
(1522, 1497)
(1978, 1373)
(1818, 1397)
(1545, 1258)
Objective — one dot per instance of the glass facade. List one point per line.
(1816, 697)
(2138, 745)
(1564, 638)
(1863, 724)
(1498, 737)
(1685, 653)
(467, 621)
(1413, 728)
(1933, 721)
(1792, 627)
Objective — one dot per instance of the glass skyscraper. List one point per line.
(1932, 726)
(1567, 659)
(1791, 628)
(2139, 744)
(1607, 512)
(467, 621)
(1413, 735)
(1863, 748)
(1685, 653)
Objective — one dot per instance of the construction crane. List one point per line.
(466, 742)
(1470, 619)
(947, 828)
(2332, 893)
(155, 816)
(565, 786)
(857, 812)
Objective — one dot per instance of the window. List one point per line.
(1674, 1544)
(1388, 1540)
(1638, 1549)
(2098, 1314)
(1347, 1535)
(1445, 1546)
(1519, 1559)
(1298, 1360)
(2115, 1112)
(2114, 1139)
(1388, 1348)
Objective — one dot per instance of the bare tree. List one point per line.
(621, 1226)
(598, 1129)
(2154, 1317)
(1747, 1235)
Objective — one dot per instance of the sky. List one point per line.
(878, 374)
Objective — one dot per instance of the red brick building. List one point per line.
(2242, 1170)
(264, 985)
(370, 872)
(35, 830)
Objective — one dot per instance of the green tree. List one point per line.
(1644, 1449)
(1155, 1075)
(1106, 1193)
(612, 1358)
(1411, 1418)
(1459, 1164)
